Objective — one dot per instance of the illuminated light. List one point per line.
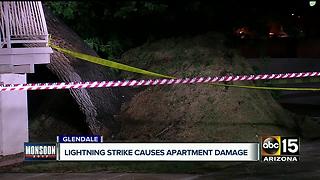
(292, 14)
(312, 3)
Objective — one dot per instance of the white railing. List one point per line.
(22, 22)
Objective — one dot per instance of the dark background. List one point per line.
(112, 27)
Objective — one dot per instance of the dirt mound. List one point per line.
(198, 112)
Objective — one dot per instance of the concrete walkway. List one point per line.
(96, 176)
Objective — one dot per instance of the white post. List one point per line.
(13, 116)
(6, 21)
(26, 28)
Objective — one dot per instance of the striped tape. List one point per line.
(108, 63)
(154, 82)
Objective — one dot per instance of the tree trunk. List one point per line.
(98, 104)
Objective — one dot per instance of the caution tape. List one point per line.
(171, 80)
(268, 88)
(105, 62)
(154, 82)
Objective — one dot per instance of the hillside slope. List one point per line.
(198, 112)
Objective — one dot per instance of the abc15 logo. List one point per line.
(277, 146)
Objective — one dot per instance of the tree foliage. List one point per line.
(97, 27)
(112, 27)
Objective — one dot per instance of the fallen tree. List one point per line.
(98, 105)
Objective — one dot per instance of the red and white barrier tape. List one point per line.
(153, 82)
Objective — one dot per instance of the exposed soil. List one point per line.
(198, 112)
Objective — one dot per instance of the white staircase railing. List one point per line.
(22, 22)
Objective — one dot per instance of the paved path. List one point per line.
(96, 176)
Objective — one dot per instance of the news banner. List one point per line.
(92, 148)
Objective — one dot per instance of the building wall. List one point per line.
(13, 116)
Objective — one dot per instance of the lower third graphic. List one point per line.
(40, 151)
